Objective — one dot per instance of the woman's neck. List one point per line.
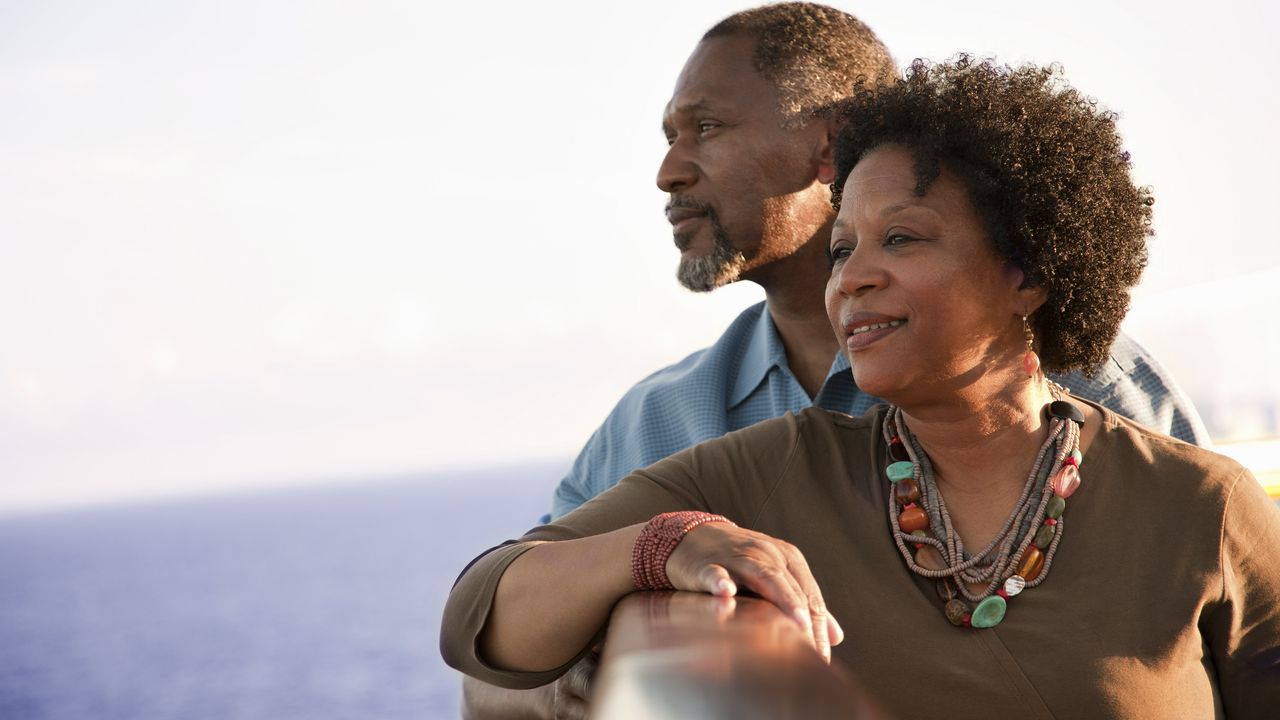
(980, 442)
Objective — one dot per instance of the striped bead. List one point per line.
(1014, 585)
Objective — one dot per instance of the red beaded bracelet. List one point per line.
(658, 540)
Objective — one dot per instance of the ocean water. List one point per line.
(319, 602)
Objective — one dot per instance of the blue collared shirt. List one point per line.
(743, 379)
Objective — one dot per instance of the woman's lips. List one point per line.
(868, 333)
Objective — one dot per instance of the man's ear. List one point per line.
(824, 149)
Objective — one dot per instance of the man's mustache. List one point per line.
(684, 202)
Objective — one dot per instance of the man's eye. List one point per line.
(897, 239)
(707, 126)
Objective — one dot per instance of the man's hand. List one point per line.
(568, 698)
(573, 689)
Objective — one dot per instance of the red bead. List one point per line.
(1070, 461)
(1002, 593)
(912, 519)
(1050, 521)
(967, 619)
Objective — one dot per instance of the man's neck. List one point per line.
(795, 293)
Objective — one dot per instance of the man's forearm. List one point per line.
(482, 701)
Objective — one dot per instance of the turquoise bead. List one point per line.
(989, 612)
(1057, 504)
(1075, 455)
(900, 471)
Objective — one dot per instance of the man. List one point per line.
(748, 173)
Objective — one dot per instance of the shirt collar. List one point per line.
(840, 364)
(764, 351)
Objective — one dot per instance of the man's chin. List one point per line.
(704, 273)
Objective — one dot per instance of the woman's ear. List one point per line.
(1027, 298)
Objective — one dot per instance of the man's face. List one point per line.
(743, 188)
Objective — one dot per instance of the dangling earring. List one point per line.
(1030, 361)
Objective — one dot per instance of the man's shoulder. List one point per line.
(671, 409)
(1128, 361)
(1125, 357)
(713, 365)
(1132, 383)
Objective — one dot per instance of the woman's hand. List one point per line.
(716, 557)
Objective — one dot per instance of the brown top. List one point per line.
(1163, 600)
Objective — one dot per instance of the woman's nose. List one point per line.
(859, 274)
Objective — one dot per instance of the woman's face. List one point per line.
(924, 306)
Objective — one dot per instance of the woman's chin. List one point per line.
(884, 385)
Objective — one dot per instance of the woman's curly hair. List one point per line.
(1044, 168)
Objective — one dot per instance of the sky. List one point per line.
(249, 243)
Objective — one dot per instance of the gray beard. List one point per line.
(705, 273)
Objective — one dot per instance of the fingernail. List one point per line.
(724, 587)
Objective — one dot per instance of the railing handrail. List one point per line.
(689, 655)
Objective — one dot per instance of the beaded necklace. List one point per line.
(1020, 555)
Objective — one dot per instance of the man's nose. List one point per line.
(677, 171)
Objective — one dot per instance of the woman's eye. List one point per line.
(897, 239)
(838, 254)
(707, 126)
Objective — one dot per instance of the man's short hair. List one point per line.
(814, 54)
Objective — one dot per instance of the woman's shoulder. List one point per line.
(810, 421)
(772, 444)
(822, 420)
(1166, 462)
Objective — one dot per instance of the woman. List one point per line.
(988, 230)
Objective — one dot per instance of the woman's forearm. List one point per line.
(553, 599)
